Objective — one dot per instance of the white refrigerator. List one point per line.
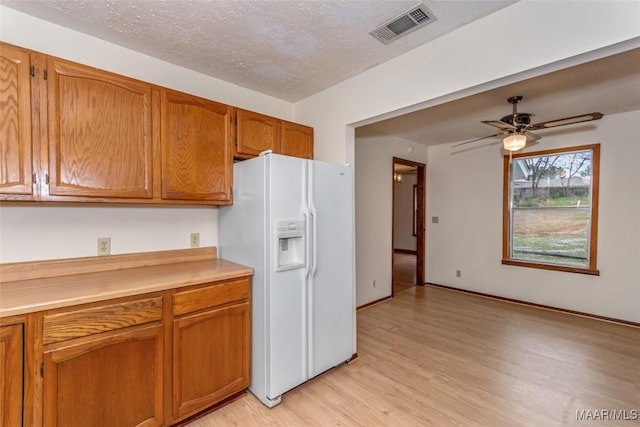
(292, 221)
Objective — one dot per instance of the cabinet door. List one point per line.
(11, 375)
(211, 352)
(100, 133)
(196, 148)
(16, 162)
(256, 133)
(109, 380)
(296, 140)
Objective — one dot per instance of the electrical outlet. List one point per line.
(195, 240)
(458, 273)
(104, 245)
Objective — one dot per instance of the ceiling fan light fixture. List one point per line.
(514, 142)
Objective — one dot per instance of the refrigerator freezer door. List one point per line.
(330, 298)
(242, 239)
(287, 340)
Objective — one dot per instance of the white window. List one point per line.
(550, 213)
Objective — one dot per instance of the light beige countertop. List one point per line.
(43, 293)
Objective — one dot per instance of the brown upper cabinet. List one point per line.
(255, 134)
(73, 133)
(296, 140)
(258, 132)
(196, 148)
(99, 132)
(16, 156)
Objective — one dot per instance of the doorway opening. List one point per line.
(408, 229)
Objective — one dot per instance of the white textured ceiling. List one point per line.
(287, 49)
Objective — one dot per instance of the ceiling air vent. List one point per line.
(400, 26)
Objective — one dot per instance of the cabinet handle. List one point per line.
(32, 70)
(46, 178)
(35, 179)
(42, 370)
(44, 74)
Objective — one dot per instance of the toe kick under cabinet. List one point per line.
(150, 358)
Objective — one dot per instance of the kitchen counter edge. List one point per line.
(37, 294)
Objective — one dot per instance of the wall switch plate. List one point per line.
(435, 219)
(104, 246)
(458, 273)
(195, 240)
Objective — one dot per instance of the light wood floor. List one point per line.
(404, 271)
(436, 357)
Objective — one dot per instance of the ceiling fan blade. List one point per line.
(532, 136)
(566, 121)
(474, 140)
(499, 124)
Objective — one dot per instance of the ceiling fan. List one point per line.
(515, 129)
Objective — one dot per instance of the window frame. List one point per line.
(591, 269)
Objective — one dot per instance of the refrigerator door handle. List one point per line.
(308, 239)
(312, 212)
(314, 256)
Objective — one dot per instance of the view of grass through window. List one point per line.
(550, 209)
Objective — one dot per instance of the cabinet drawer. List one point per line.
(210, 296)
(89, 321)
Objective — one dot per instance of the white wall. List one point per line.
(468, 236)
(44, 232)
(41, 231)
(403, 237)
(374, 209)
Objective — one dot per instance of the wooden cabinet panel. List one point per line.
(11, 375)
(108, 380)
(211, 352)
(209, 296)
(16, 161)
(100, 133)
(255, 133)
(89, 321)
(296, 140)
(196, 148)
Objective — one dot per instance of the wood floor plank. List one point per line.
(435, 357)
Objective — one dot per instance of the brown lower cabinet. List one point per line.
(211, 344)
(148, 360)
(210, 357)
(11, 374)
(111, 380)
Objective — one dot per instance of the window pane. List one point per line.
(553, 235)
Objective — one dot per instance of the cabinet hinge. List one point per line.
(35, 179)
(42, 370)
(44, 74)
(32, 70)
(46, 178)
